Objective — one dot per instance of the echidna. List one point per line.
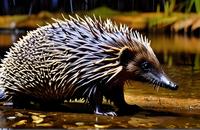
(79, 58)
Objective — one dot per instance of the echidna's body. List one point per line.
(79, 58)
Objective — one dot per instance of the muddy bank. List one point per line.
(167, 104)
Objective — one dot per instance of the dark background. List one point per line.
(10, 7)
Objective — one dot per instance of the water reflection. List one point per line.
(175, 43)
(177, 50)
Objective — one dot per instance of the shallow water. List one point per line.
(20, 118)
(180, 59)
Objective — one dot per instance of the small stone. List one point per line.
(79, 123)
(44, 124)
(102, 126)
(42, 116)
(37, 119)
(34, 113)
(18, 114)
(171, 126)
(22, 122)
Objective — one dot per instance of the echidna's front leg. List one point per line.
(96, 102)
(119, 101)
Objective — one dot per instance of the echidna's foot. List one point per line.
(110, 113)
(98, 111)
(129, 109)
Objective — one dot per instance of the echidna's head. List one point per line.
(140, 63)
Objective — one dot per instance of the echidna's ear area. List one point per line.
(125, 56)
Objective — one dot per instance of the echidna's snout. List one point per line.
(148, 71)
(160, 80)
(154, 74)
(167, 83)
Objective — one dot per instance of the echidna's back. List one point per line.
(43, 64)
(67, 59)
(58, 61)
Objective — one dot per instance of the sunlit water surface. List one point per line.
(180, 59)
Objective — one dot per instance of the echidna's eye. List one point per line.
(146, 66)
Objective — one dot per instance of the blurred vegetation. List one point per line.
(190, 3)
